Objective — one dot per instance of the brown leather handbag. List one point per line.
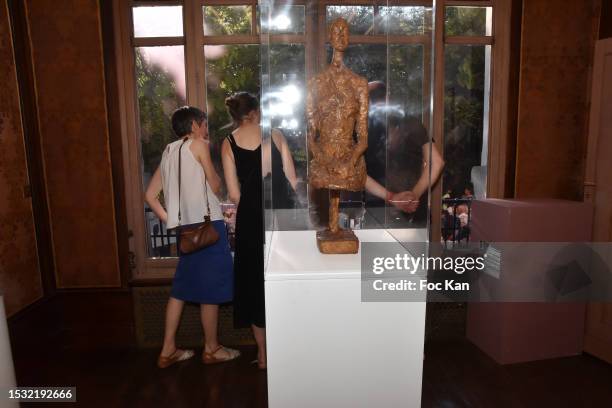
(197, 236)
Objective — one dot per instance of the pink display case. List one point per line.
(520, 332)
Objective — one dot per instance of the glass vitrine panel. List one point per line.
(389, 46)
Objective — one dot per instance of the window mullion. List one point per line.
(437, 130)
(254, 21)
(198, 41)
(190, 51)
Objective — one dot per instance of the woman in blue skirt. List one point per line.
(206, 275)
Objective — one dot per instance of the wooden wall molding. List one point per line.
(68, 66)
(556, 55)
(20, 279)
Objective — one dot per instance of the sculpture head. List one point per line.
(339, 34)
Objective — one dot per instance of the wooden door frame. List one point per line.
(596, 341)
(17, 14)
(590, 173)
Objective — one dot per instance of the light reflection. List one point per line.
(171, 61)
(290, 94)
(281, 109)
(283, 103)
(215, 52)
(281, 22)
(158, 21)
(289, 124)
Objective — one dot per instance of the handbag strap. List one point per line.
(206, 216)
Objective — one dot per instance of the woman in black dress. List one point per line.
(241, 153)
(283, 193)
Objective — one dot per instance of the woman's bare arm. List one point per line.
(288, 165)
(229, 170)
(152, 196)
(436, 163)
(376, 189)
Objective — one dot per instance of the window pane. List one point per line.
(227, 20)
(229, 69)
(287, 20)
(468, 20)
(367, 60)
(360, 18)
(158, 21)
(466, 125)
(160, 81)
(406, 72)
(405, 20)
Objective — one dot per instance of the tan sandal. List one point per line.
(164, 362)
(208, 357)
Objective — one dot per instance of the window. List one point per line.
(198, 52)
(467, 87)
(159, 70)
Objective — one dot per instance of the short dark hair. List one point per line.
(377, 91)
(239, 105)
(183, 117)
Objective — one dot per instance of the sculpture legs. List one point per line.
(334, 203)
(335, 240)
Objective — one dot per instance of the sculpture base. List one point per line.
(342, 242)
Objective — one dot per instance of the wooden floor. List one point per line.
(56, 347)
(456, 374)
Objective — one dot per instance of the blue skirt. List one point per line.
(206, 276)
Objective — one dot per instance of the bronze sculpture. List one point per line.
(336, 109)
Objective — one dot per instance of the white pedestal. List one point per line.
(325, 347)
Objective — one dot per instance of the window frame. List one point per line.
(145, 268)
(498, 96)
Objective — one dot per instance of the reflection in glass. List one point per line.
(402, 69)
(360, 18)
(158, 21)
(466, 125)
(286, 20)
(405, 20)
(285, 101)
(367, 60)
(394, 159)
(405, 75)
(406, 69)
(468, 21)
(160, 81)
(227, 20)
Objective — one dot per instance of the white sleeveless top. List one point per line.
(193, 199)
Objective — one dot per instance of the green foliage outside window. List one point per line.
(227, 20)
(464, 97)
(157, 99)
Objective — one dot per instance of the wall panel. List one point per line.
(67, 57)
(20, 279)
(556, 57)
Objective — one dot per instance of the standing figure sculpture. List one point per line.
(337, 109)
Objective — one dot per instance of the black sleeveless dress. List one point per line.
(283, 195)
(249, 302)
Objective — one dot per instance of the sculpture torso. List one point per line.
(337, 109)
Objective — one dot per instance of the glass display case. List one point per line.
(322, 102)
(390, 47)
